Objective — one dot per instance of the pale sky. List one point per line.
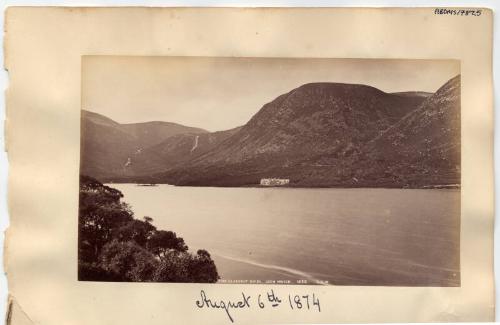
(222, 93)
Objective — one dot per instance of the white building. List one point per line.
(274, 181)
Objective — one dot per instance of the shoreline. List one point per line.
(427, 187)
(265, 273)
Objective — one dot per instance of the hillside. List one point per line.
(317, 135)
(177, 149)
(307, 135)
(108, 149)
(423, 149)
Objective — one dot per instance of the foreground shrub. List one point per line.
(114, 246)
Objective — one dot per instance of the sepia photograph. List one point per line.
(252, 170)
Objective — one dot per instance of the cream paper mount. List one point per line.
(339, 163)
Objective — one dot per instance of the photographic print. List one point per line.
(270, 171)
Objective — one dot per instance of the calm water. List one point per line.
(343, 236)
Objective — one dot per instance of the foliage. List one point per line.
(163, 241)
(114, 246)
(136, 230)
(128, 261)
(186, 268)
(174, 266)
(202, 268)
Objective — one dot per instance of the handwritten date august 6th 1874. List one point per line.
(269, 299)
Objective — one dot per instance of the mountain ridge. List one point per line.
(268, 146)
(318, 134)
(108, 147)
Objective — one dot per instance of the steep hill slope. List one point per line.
(319, 134)
(108, 148)
(423, 148)
(302, 135)
(175, 150)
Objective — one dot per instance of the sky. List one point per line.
(222, 93)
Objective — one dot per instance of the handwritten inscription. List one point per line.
(457, 12)
(269, 299)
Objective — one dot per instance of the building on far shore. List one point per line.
(274, 181)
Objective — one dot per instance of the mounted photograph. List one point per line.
(250, 170)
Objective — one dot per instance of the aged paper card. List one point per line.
(224, 165)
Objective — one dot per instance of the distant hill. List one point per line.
(306, 135)
(177, 149)
(108, 149)
(317, 135)
(423, 148)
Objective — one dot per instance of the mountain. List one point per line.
(317, 135)
(423, 148)
(177, 149)
(309, 135)
(108, 149)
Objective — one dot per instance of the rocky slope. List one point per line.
(423, 148)
(176, 150)
(309, 135)
(109, 149)
(317, 135)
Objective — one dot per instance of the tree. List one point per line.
(113, 246)
(128, 261)
(202, 268)
(100, 212)
(135, 230)
(173, 267)
(162, 241)
(178, 266)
